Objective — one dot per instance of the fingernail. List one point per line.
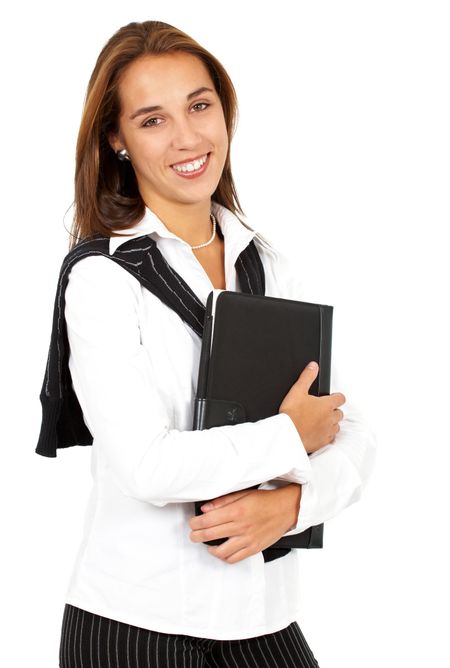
(206, 506)
(312, 365)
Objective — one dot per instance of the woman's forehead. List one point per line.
(162, 78)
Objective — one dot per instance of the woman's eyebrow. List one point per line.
(147, 110)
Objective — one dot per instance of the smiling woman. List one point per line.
(161, 103)
(178, 155)
(153, 164)
(153, 157)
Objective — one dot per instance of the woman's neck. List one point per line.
(190, 222)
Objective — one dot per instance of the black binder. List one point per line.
(253, 350)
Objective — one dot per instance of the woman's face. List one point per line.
(182, 129)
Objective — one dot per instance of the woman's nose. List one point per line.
(185, 133)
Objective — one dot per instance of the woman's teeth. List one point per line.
(191, 166)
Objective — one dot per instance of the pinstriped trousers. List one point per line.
(92, 641)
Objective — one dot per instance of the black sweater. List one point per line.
(62, 424)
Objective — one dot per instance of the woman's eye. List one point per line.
(147, 123)
(205, 103)
(144, 125)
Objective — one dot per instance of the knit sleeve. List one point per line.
(113, 379)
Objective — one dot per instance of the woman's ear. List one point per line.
(114, 142)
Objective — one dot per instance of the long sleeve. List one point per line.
(341, 469)
(113, 378)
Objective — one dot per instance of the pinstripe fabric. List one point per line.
(92, 641)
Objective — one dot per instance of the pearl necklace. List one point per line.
(213, 234)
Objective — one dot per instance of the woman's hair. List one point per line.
(106, 189)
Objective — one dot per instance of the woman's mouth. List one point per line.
(190, 170)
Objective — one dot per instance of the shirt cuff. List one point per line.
(301, 457)
(304, 514)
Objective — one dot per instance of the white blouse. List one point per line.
(134, 366)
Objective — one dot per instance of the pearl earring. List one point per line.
(123, 154)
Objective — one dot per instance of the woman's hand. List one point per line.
(251, 519)
(315, 418)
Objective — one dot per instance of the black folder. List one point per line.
(253, 350)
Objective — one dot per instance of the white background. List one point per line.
(341, 158)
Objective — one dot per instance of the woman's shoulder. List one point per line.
(95, 277)
(93, 256)
(283, 271)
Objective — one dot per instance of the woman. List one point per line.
(153, 158)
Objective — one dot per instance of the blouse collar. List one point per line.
(235, 232)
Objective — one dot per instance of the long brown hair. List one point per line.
(106, 190)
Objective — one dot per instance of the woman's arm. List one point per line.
(341, 469)
(113, 378)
